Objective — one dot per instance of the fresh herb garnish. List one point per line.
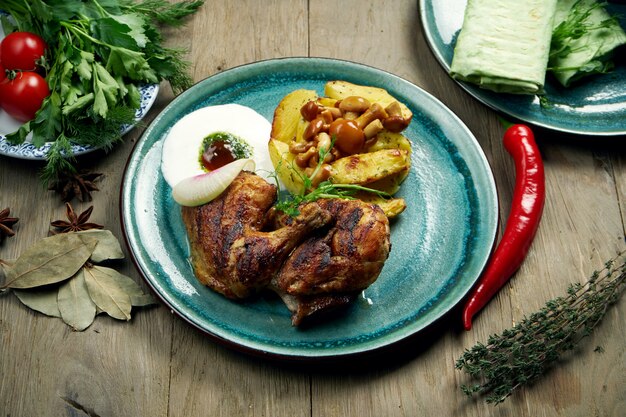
(575, 26)
(100, 51)
(325, 189)
(523, 353)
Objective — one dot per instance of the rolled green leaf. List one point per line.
(504, 45)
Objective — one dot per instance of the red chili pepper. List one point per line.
(522, 223)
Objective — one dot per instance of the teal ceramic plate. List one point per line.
(596, 106)
(439, 244)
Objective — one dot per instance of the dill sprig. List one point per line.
(325, 189)
(161, 11)
(523, 353)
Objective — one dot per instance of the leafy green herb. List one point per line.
(325, 189)
(575, 27)
(523, 353)
(100, 51)
(581, 21)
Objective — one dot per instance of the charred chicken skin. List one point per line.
(317, 260)
(229, 252)
(330, 268)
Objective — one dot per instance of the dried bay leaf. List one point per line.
(50, 260)
(44, 301)
(76, 307)
(107, 293)
(138, 298)
(108, 247)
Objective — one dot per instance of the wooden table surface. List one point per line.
(158, 365)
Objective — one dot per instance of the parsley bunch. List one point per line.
(99, 53)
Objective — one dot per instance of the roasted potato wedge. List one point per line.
(365, 168)
(287, 115)
(299, 137)
(341, 89)
(390, 206)
(285, 167)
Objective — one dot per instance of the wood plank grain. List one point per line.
(427, 384)
(207, 379)
(101, 370)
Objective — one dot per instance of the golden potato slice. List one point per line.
(287, 115)
(327, 101)
(391, 207)
(365, 168)
(390, 184)
(283, 162)
(342, 89)
(390, 140)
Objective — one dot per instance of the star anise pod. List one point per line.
(75, 223)
(6, 223)
(78, 184)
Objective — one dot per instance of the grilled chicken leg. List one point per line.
(230, 253)
(331, 267)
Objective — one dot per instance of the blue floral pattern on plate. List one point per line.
(595, 106)
(27, 150)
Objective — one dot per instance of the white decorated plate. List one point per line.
(27, 150)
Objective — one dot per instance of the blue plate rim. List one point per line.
(254, 348)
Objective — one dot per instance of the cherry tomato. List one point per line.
(348, 137)
(3, 74)
(21, 51)
(22, 96)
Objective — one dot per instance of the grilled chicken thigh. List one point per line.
(317, 260)
(332, 266)
(230, 253)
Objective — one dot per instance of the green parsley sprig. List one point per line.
(99, 53)
(521, 354)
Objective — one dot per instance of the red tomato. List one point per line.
(21, 51)
(23, 96)
(3, 74)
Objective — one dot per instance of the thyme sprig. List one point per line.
(325, 189)
(523, 353)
